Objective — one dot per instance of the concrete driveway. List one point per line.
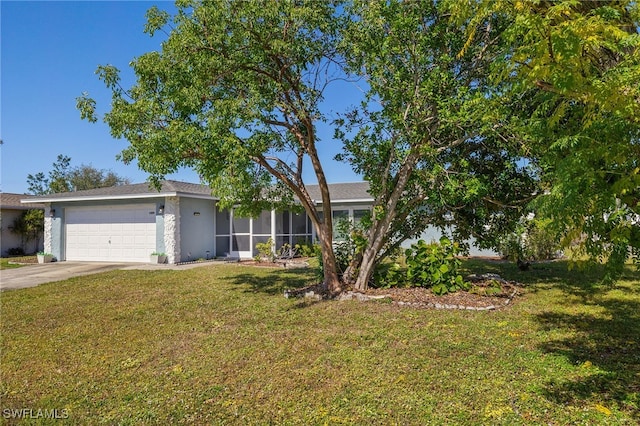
(33, 275)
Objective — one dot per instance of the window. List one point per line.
(359, 214)
(339, 216)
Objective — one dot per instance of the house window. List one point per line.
(359, 214)
(339, 216)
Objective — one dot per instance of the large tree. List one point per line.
(575, 68)
(425, 138)
(64, 178)
(235, 93)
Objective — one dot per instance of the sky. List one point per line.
(49, 51)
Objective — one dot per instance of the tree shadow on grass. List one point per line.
(584, 281)
(607, 348)
(274, 281)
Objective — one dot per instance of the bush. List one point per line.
(390, 274)
(436, 266)
(15, 251)
(533, 239)
(265, 251)
(308, 250)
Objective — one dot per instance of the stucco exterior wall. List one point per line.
(197, 230)
(172, 229)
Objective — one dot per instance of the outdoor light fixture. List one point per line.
(161, 209)
(52, 213)
(196, 213)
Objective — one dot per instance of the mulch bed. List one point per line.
(21, 260)
(488, 293)
(475, 299)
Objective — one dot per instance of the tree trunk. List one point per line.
(368, 258)
(330, 269)
(366, 270)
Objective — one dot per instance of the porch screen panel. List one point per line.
(222, 246)
(222, 222)
(240, 225)
(241, 242)
(262, 224)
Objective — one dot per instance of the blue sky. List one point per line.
(49, 53)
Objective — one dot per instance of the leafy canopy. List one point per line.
(64, 178)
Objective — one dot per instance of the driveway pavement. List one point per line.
(33, 275)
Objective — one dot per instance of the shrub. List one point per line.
(436, 266)
(308, 250)
(15, 251)
(265, 251)
(390, 274)
(533, 239)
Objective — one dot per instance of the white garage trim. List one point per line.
(124, 233)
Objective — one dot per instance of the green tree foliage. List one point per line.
(64, 178)
(574, 68)
(235, 94)
(424, 137)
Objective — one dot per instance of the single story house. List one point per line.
(127, 223)
(10, 209)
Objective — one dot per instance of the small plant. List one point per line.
(155, 253)
(391, 274)
(435, 265)
(44, 257)
(265, 251)
(307, 250)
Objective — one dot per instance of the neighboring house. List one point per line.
(10, 209)
(126, 223)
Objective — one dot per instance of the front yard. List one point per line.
(221, 345)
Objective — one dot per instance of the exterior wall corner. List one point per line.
(172, 229)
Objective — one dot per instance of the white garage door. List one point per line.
(120, 233)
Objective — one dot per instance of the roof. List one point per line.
(354, 191)
(12, 201)
(137, 190)
(349, 191)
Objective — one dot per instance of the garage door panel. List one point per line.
(126, 233)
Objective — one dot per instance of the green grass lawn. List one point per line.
(221, 345)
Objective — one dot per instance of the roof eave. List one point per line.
(116, 197)
(350, 200)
